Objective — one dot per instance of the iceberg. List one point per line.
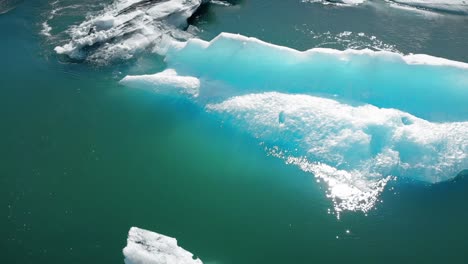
(128, 27)
(146, 247)
(354, 119)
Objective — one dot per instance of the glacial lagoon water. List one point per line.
(85, 156)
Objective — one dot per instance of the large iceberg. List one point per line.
(353, 118)
(146, 247)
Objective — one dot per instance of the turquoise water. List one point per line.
(85, 158)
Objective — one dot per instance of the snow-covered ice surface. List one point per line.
(354, 119)
(146, 247)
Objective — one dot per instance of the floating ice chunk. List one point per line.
(146, 247)
(127, 27)
(452, 6)
(166, 82)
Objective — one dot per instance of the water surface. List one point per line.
(84, 158)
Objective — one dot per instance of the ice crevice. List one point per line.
(353, 118)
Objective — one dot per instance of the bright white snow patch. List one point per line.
(146, 247)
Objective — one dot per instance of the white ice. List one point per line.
(128, 27)
(146, 247)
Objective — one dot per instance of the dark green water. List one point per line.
(83, 159)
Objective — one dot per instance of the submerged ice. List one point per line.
(354, 149)
(354, 119)
(146, 247)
